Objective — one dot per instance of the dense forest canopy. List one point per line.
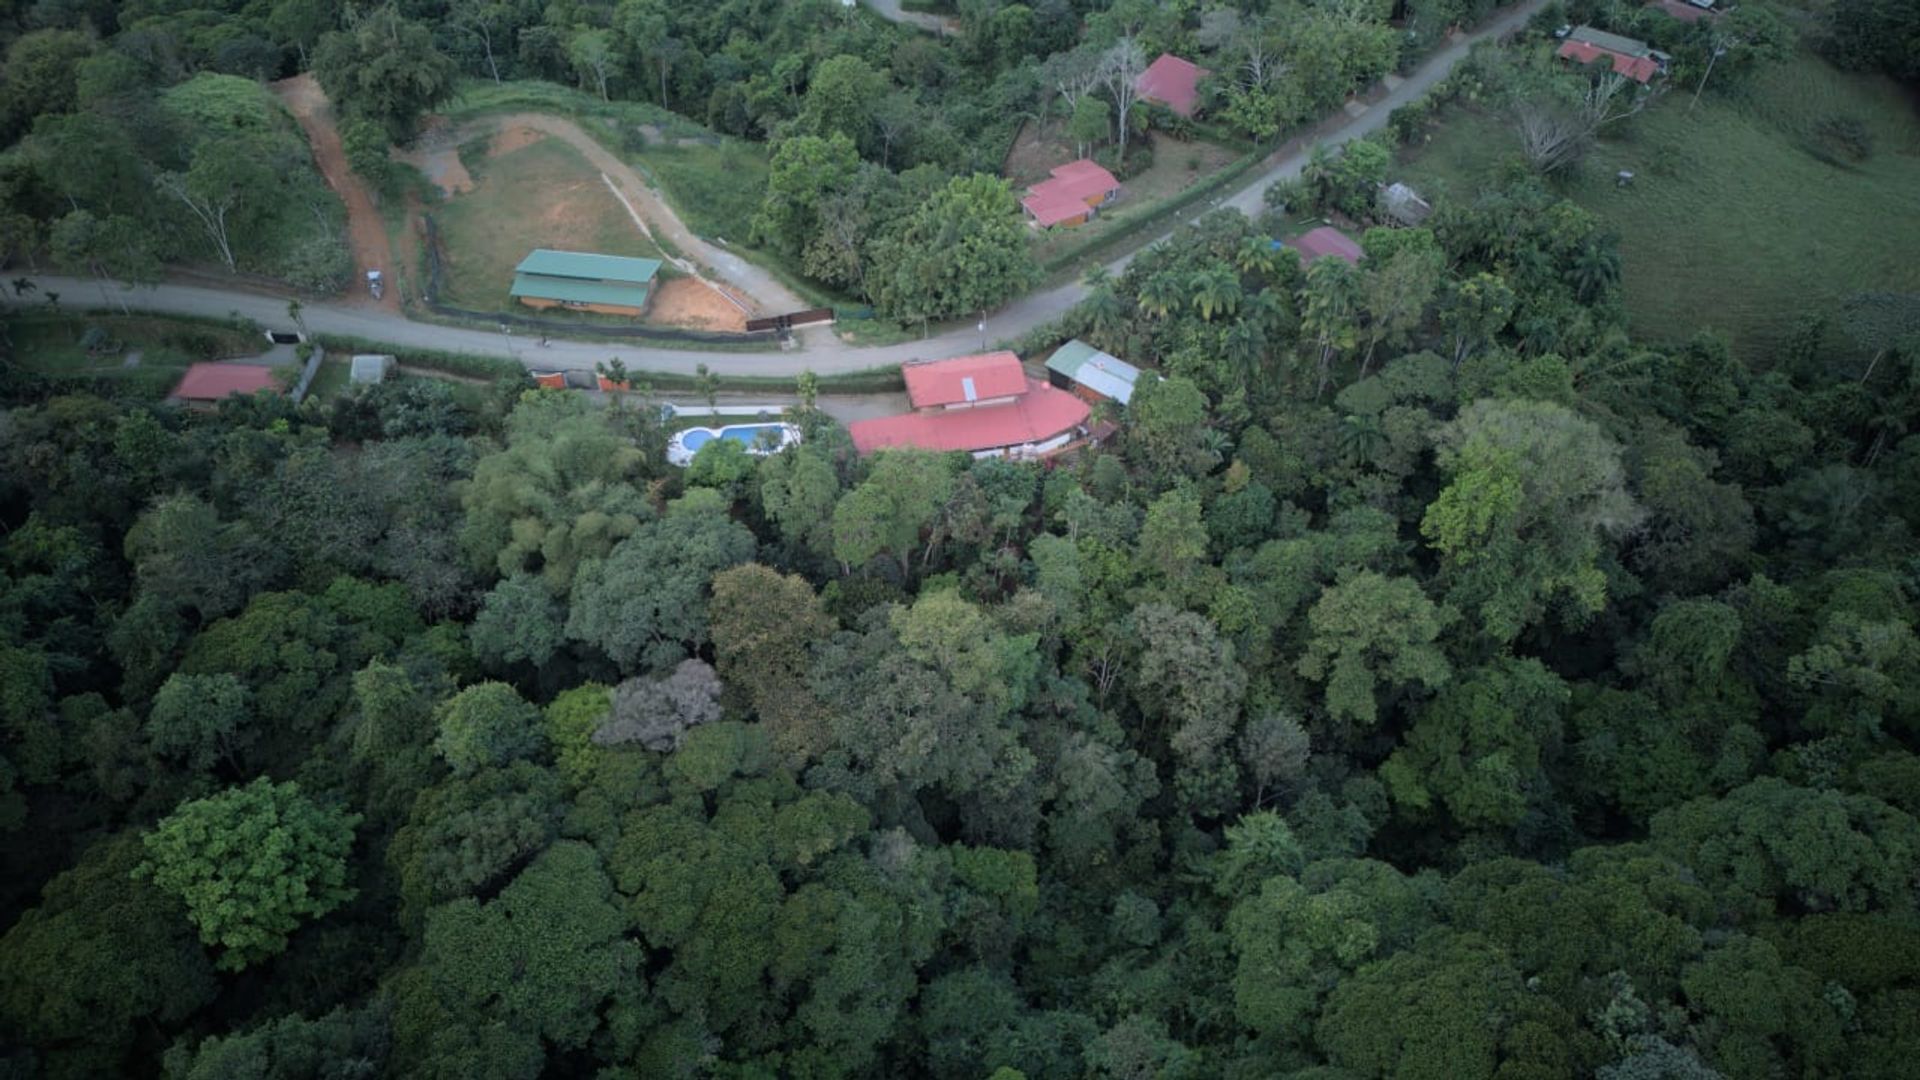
(1427, 680)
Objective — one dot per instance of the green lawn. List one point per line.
(541, 195)
(1741, 219)
(53, 346)
(331, 380)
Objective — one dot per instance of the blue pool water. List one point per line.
(696, 438)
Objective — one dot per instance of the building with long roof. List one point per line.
(608, 284)
(983, 405)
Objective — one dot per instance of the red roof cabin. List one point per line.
(964, 382)
(210, 382)
(1073, 194)
(1627, 57)
(1172, 82)
(982, 405)
(1326, 242)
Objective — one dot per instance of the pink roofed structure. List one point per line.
(1639, 68)
(1036, 422)
(1326, 242)
(1172, 82)
(212, 382)
(1071, 195)
(964, 382)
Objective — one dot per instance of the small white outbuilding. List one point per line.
(370, 368)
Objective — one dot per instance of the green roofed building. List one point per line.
(1093, 375)
(609, 284)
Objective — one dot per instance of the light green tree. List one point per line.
(251, 864)
(1372, 632)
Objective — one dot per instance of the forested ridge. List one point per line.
(1428, 679)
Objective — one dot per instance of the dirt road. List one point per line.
(891, 11)
(366, 234)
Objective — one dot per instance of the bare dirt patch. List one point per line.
(366, 234)
(694, 305)
(436, 154)
(507, 140)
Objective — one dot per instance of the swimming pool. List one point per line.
(759, 439)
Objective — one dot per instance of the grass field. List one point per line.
(53, 346)
(543, 194)
(1744, 216)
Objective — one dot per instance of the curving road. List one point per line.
(820, 356)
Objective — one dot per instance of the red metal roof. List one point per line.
(1638, 68)
(1050, 208)
(1326, 241)
(932, 383)
(555, 380)
(1173, 82)
(211, 382)
(1038, 414)
(1083, 179)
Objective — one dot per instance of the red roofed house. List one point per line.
(1172, 82)
(1326, 242)
(1073, 194)
(1629, 58)
(983, 405)
(964, 382)
(207, 382)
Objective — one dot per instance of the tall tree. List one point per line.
(384, 67)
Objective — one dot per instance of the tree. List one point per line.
(200, 719)
(251, 864)
(1368, 630)
(488, 724)
(964, 250)
(101, 952)
(217, 187)
(591, 52)
(1089, 125)
(764, 625)
(842, 93)
(341, 1043)
(537, 962)
(656, 713)
(1478, 750)
(805, 172)
(301, 23)
(645, 604)
(1533, 489)
(1348, 179)
(519, 621)
(1769, 846)
(889, 511)
(1119, 72)
(798, 490)
(1395, 295)
(1453, 1006)
(39, 76)
(386, 68)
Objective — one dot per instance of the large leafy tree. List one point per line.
(645, 604)
(251, 864)
(386, 68)
(1533, 490)
(964, 251)
(1371, 630)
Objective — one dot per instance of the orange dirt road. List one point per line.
(366, 235)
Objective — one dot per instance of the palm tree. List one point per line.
(1329, 319)
(1596, 269)
(1255, 256)
(1244, 343)
(1216, 291)
(1360, 438)
(1161, 295)
(1106, 313)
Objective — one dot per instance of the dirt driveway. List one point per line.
(366, 235)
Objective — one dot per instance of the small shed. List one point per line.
(1403, 206)
(1326, 242)
(369, 368)
(1092, 374)
(608, 284)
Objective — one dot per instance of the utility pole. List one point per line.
(1718, 52)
